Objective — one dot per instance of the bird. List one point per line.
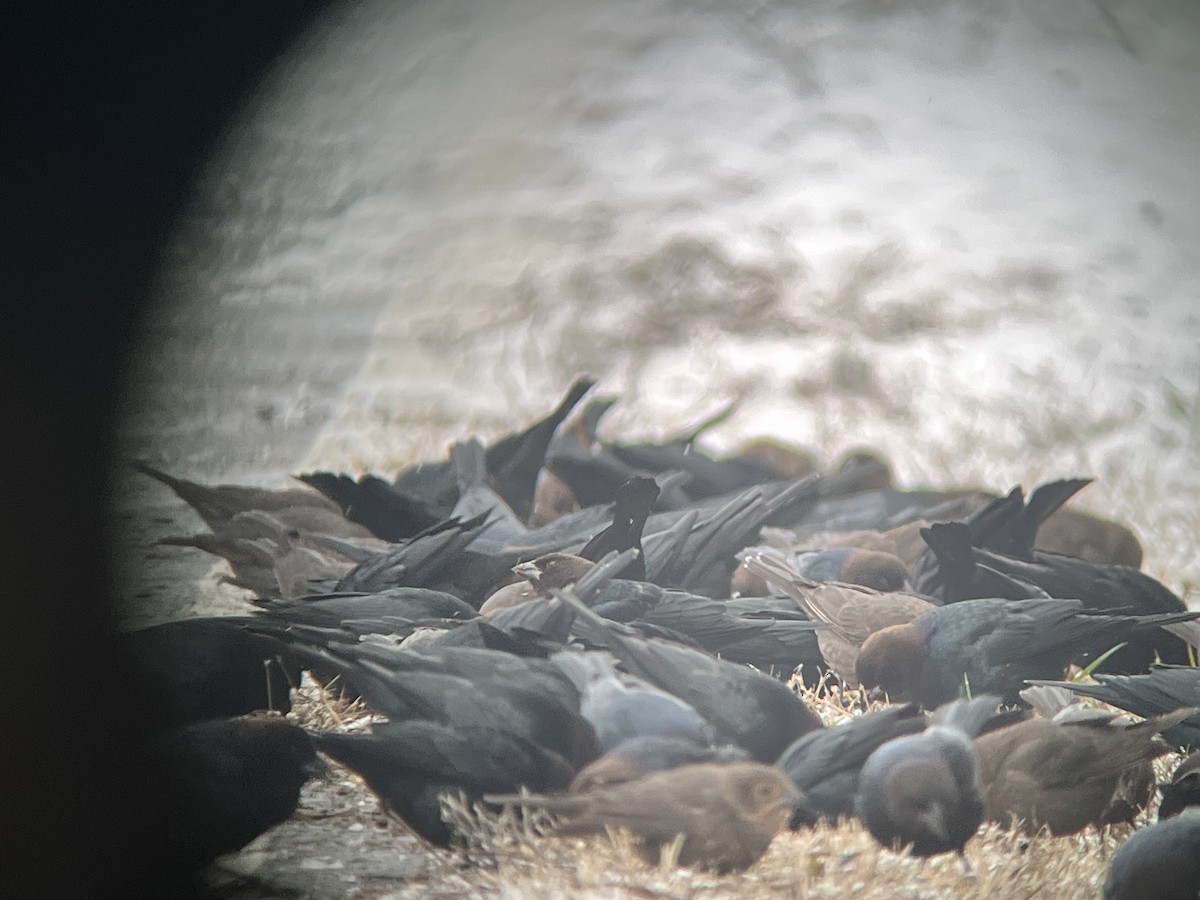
(411, 765)
(960, 570)
(726, 814)
(1163, 689)
(1064, 775)
(1183, 790)
(991, 645)
(189, 670)
(851, 614)
(1159, 862)
(744, 707)
(620, 706)
(825, 765)
(226, 781)
(218, 504)
(539, 577)
(640, 756)
(923, 791)
(874, 569)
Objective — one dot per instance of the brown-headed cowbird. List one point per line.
(873, 569)
(1183, 790)
(825, 765)
(539, 577)
(727, 814)
(1162, 690)
(642, 755)
(852, 614)
(786, 462)
(226, 781)
(990, 645)
(922, 791)
(1161, 862)
(1073, 532)
(1064, 776)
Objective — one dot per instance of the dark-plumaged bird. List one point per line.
(991, 646)
(745, 707)
(727, 814)
(226, 781)
(961, 571)
(632, 504)
(825, 764)
(410, 765)
(1065, 775)
(1183, 790)
(922, 791)
(1161, 862)
(642, 755)
(189, 670)
(1162, 690)
(425, 494)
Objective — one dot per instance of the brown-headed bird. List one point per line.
(650, 753)
(850, 613)
(540, 576)
(1064, 775)
(991, 646)
(727, 814)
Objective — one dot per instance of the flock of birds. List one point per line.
(612, 632)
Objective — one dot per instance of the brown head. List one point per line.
(761, 800)
(788, 461)
(876, 472)
(874, 569)
(744, 583)
(893, 660)
(557, 570)
(762, 795)
(552, 499)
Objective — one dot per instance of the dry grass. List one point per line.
(509, 855)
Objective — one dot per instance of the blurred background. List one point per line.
(961, 233)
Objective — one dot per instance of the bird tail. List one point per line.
(968, 716)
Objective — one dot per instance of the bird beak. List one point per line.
(528, 570)
(316, 768)
(934, 821)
